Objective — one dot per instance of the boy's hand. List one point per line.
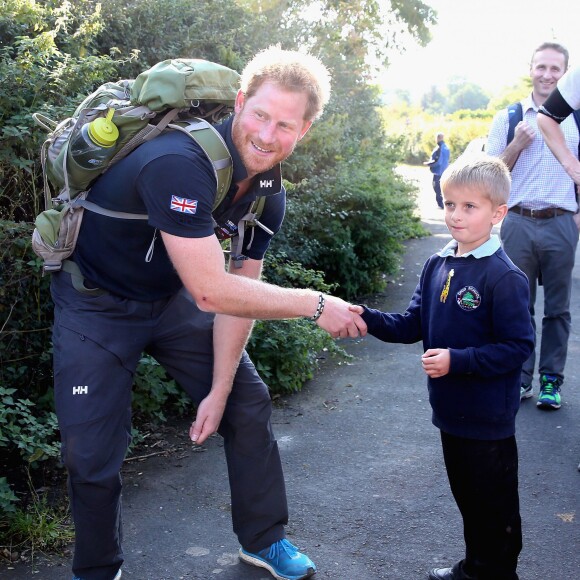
(356, 308)
(436, 362)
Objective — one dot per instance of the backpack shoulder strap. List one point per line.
(213, 145)
(515, 115)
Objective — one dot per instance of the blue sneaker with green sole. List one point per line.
(549, 397)
(282, 560)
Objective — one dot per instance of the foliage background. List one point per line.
(445, 110)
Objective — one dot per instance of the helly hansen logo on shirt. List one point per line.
(81, 390)
(183, 205)
(266, 182)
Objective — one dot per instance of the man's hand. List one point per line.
(339, 320)
(524, 135)
(436, 362)
(208, 418)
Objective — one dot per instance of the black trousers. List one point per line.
(98, 341)
(483, 476)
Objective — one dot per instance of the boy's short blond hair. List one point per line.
(488, 175)
(290, 70)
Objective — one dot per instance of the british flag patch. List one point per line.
(183, 205)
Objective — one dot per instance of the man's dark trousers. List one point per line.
(437, 190)
(98, 341)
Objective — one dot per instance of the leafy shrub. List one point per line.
(155, 393)
(350, 225)
(286, 352)
(44, 65)
(21, 431)
(25, 317)
(20, 428)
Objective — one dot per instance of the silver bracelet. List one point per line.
(319, 308)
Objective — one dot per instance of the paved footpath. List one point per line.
(368, 494)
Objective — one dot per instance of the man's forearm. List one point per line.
(230, 335)
(510, 154)
(554, 139)
(200, 265)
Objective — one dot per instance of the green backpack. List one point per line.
(174, 95)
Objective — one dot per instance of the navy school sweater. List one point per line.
(480, 312)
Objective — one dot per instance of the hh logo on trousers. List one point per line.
(81, 390)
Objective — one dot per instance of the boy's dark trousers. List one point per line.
(483, 476)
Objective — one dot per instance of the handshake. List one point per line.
(340, 319)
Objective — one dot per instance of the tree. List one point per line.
(511, 94)
(434, 101)
(217, 30)
(465, 95)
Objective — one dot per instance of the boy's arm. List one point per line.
(392, 327)
(512, 326)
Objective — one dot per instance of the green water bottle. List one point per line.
(94, 144)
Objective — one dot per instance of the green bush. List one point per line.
(155, 394)
(286, 352)
(350, 225)
(30, 435)
(25, 317)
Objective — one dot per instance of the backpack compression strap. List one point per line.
(249, 219)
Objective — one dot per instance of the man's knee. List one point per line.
(94, 453)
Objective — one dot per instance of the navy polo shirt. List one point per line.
(171, 180)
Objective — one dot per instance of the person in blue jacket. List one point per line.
(471, 311)
(438, 164)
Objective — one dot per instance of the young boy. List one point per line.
(470, 308)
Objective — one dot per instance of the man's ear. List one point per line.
(306, 126)
(500, 213)
(240, 100)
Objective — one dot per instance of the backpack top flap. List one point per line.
(181, 83)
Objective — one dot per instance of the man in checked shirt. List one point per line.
(539, 232)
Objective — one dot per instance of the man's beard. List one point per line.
(254, 163)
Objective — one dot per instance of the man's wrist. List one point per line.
(319, 308)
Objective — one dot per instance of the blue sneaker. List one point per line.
(282, 560)
(549, 397)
